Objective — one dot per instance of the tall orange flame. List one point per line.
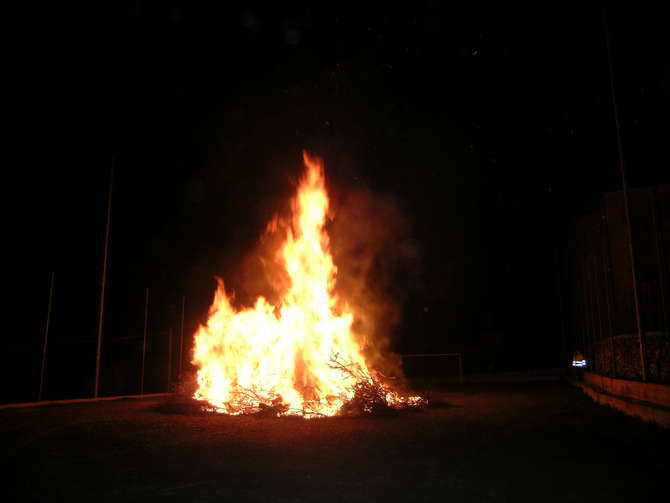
(284, 354)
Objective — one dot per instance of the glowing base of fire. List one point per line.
(279, 409)
(365, 394)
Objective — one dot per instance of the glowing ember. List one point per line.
(300, 356)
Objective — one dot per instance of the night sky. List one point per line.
(487, 131)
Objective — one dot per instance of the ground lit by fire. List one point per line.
(300, 356)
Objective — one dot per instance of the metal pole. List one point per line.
(181, 334)
(591, 320)
(46, 336)
(624, 183)
(579, 318)
(598, 308)
(584, 312)
(589, 326)
(590, 306)
(561, 307)
(584, 301)
(607, 270)
(169, 362)
(662, 266)
(144, 339)
(581, 321)
(102, 289)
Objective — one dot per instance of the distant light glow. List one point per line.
(579, 363)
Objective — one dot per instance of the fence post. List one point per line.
(169, 362)
(46, 336)
(598, 308)
(591, 333)
(144, 339)
(181, 335)
(607, 270)
(96, 388)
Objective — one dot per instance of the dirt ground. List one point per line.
(523, 442)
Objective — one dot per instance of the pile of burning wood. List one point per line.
(369, 394)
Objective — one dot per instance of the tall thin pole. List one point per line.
(660, 258)
(102, 289)
(588, 303)
(144, 339)
(46, 336)
(169, 362)
(561, 308)
(579, 311)
(181, 334)
(624, 183)
(607, 271)
(598, 309)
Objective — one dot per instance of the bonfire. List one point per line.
(299, 356)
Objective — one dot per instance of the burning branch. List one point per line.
(370, 394)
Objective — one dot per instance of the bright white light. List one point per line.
(579, 363)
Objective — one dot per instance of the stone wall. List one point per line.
(624, 363)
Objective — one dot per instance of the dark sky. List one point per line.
(491, 129)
